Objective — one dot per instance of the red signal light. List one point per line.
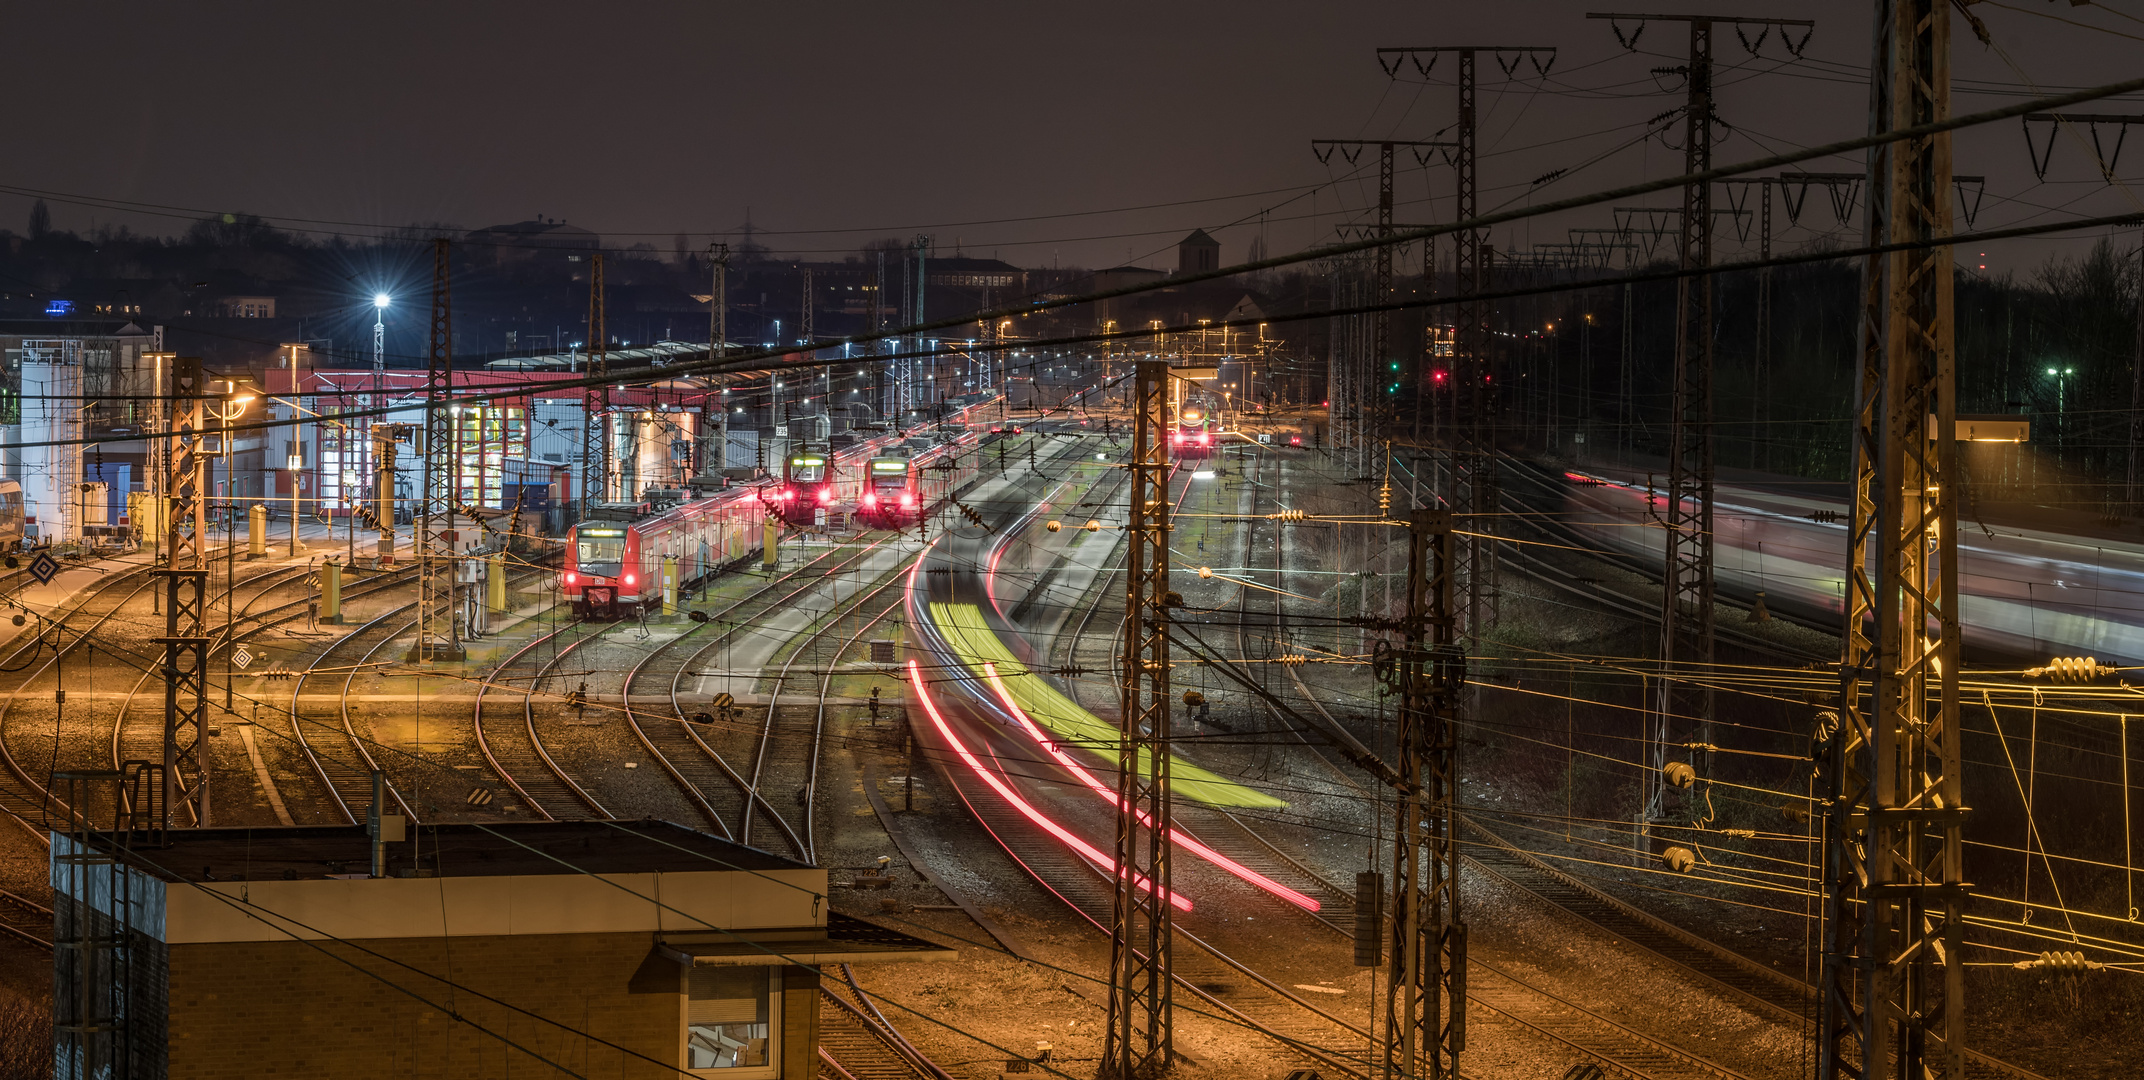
(1438, 377)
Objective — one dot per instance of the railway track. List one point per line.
(857, 1042)
(1543, 1013)
(515, 751)
(1785, 999)
(143, 740)
(326, 733)
(25, 920)
(787, 755)
(27, 797)
(685, 749)
(1224, 986)
(337, 755)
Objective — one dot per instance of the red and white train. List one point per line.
(899, 488)
(614, 568)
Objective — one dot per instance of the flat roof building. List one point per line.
(630, 949)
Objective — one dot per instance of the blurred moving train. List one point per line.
(2026, 593)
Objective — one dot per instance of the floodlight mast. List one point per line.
(379, 339)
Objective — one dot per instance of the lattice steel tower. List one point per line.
(1894, 891)
(1140, 1041)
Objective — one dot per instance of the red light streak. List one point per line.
(915, 675)
(990, 672)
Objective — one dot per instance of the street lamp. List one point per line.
(2062, 426)
(379, 337)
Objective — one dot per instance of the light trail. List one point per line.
(915, 677)
(1183, 840)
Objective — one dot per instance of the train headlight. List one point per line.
(825, 496)
(870, 500)
(628, 579)
(908, 500)
(570, 579)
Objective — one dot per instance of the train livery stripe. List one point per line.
(965, 630)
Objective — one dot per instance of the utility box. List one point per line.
(92, 504)
(882, 651)
(256, 531)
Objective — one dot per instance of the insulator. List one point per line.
(2070, 669)
(1194, 699)
(1679, 774)
(1205, 571)
(1292, 659)
(1794, 813)
(2059, 961)
(1679, 859)
(1068, 671)
(1053, 526)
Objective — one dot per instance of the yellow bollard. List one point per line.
(257, 531)
(331, 593)
(496, 585)
(770, 544)
(669, 584)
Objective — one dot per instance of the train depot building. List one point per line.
(616, 949)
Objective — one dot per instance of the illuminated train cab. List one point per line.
(907, 488)
(614, 569)
(1193, 437)
(890, 496)
(809, 486)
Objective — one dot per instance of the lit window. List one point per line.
(729, 1020)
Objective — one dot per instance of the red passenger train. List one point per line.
(900, 488)
(614, 568)
(811, 484)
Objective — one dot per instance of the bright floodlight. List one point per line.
(380, 301)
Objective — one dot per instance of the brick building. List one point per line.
(619, 949)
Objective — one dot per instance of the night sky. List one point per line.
(971, 122)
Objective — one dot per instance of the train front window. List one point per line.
(807, 470)
(600, 555)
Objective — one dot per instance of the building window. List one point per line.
(729, 1021)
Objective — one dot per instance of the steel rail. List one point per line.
(633, 716)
